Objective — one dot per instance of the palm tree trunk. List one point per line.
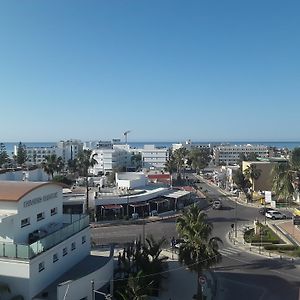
(87, 194)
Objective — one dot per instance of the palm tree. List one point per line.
(283, 181)
(136, 289)
(85, 160)
(170, 167)
(179, 157)
(52, 164)
(252, 174)
(199, 251)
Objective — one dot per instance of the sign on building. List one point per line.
(268, 196)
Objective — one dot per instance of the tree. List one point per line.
(52, 164)
(3, 155)
(136, 289)
(179, 157)
(283, 177)
(21, 154)
(252, 156)
(295, 159)
(199, 251)
(199, 158)
(240, 181)
(85, 160)
(170, 167)
(252, 174)
(136, 160)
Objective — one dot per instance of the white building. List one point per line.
(69, 149)
(116, 157)
(38, 242)
(131, 180)
(230, 154)
(65, 149)
(154, 158)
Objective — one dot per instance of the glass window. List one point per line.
(40, 216)
(25, 222)
(73, 246)
(55, 257)
(53, 211)
(41, 266)
(65, 251)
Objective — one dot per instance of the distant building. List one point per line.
(154, 158)
(69, 149)
(230, 154)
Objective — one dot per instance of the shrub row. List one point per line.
(281, 247)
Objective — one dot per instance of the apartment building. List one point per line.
(230, 154)
(154, 158)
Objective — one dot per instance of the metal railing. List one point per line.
(12, 250)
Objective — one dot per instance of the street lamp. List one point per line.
(235, 229)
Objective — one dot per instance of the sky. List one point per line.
(166, 70)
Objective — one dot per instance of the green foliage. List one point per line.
(53, 164)
(283, 177)
(199, 158)
(268, 236)
(199, 251)
(252, 173)
(240, 180)
(3, 155)
(62, 179)
(295, 159)
(281, 247)
(136, 160)
(21, 154)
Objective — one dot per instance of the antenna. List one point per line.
(125, 134)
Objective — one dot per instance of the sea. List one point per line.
(280, 144)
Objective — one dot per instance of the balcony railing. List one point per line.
(12, 250)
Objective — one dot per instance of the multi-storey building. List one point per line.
(38, 243)
(69, 149)
(230, 154)
(154, 158)
(110, 157)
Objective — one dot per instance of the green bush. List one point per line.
(281, 247)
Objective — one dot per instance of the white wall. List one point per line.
(33, 175)
(16, 275)
(21, 234)
(82, 287)
(40, 280)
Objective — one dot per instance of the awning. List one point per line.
(177, 194)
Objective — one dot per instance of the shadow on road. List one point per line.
(236, 286)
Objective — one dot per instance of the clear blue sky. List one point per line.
(167, 70)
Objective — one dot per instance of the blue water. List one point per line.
(289, 145)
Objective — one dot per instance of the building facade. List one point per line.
(154, 158)
(230, 154)
(38, 242)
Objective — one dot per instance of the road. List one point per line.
(240, 275)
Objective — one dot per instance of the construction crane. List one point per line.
(125, 134)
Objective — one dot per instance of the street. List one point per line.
(240, 275)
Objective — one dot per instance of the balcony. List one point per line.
(21, 251)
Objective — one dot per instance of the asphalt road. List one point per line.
(240, 275)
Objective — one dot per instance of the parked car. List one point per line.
(263, 210)
(217, 204)
(275, 215)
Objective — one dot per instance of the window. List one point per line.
(41, 266)
(65, 251)
(25, 222)
(73, 246)
(40, 216)
(53, 211)
(83, 239)
(55, 257)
